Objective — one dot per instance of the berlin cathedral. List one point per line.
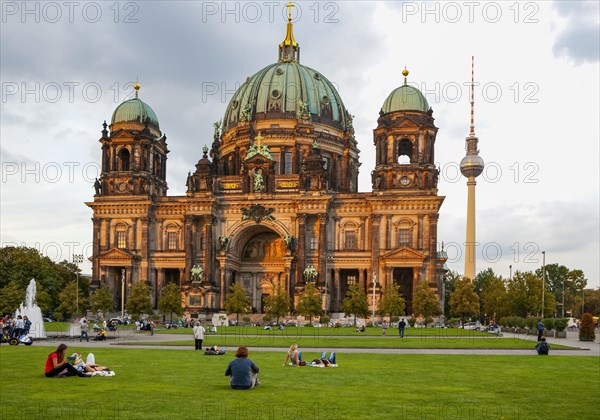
(274, 202)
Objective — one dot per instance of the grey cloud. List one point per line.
(580, 40)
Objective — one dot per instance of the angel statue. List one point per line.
(310, 273)
(197, 273)
(223, 240)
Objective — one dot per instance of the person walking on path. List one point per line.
(384, 327)
(198, 333)
(401, 326)
(84, 331)
(540, 327)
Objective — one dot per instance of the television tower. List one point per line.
(471, 167)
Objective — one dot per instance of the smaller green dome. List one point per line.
(405, 98)
(134, 110)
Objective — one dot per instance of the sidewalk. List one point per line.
(128, 338)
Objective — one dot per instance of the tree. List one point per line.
(355, 303)
(464, 302)
(277, 304)
(170, 301)
(42, 298)
(237, 302)
(69, 301)
(310, 302)
(451, 278)
(102, 301)
(425, 302)
(560, 278)
(586, 329)
(139, 301)
(392, 303)
(493, 298)
(524, 294)
(21, 264)
(11, 296)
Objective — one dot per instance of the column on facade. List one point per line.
(301, 262)
(388, 231)
(363, 233)
(108, 235)
(338, 291)
(420, 233)
(222, 273)
(432, 270)
(361, 279)
(389, 277)
(322, 251)
(375, 253)
(189, 237)
(208, 245)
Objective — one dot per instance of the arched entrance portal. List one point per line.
(262, 267)
(403, 277)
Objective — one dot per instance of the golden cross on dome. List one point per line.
(136, 86)
(289, 7)
(258, 139)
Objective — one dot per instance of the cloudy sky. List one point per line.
(66, 66)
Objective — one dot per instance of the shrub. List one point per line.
(531, 323)
(560, 324)
(411, 322)
(520, 322)
(337, 325)
(309, 325)
(394, 318)
(246, 319)
(325, 320)
(548, 323)
(586, 329)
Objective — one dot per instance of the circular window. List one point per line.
(325, 100)
(317, 76)
(234, 104)
(275, 94)
(279, 71)
(405, 181)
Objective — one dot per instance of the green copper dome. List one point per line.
(405, 98)
(134, 110)
(287, 89)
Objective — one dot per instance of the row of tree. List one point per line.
(487, 296)
(492, 296)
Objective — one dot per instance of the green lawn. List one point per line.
(327, 342)
(172, 384)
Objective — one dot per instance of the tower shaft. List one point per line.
(470, 238)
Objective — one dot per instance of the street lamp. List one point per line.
(543, 279)
(374, 283)
(77, 259)
(563, 302)
(510, 272)
(122, 294)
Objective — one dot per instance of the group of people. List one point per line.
(15, 326)
(59, 365)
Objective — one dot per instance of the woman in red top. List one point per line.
(57, 362)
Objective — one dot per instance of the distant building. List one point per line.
(274, 200)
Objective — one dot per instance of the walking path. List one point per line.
(131, 337)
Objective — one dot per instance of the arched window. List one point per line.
(405, 151)
(350, 235)
(124, 158)
(172, 237)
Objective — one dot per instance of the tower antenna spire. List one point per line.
(472, 132)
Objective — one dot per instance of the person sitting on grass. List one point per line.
(57, 365)
(101, 336)
(243, 371)
(293, 355)
(543, 347)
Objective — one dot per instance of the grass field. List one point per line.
(172, 384)
(331, 342)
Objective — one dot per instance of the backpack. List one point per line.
(543, 348)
